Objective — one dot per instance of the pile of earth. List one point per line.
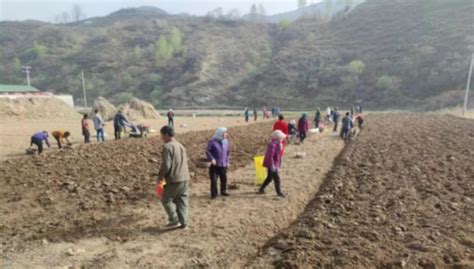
(69, 194)
(107, 110)
(36, 108)
(136, 110)
(400, 196)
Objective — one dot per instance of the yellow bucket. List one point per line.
(260, 171)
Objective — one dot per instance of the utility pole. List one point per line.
(84, 88)
(468, 85)
(26, 69)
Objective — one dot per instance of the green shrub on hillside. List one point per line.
(385, 83)
(356, 67)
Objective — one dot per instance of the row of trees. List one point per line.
(75, 14)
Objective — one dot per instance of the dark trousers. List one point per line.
(246, 118)
(272, 176)
(345, 134)
(38, 143)
(171, 122)
(335, 126)
(87, 136)
(58, 140)
(117, 132)
(316, 123)
(302, 136)
(214, 173)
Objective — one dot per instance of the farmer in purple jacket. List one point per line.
(272, 162)
(38, 139)
(217, 153)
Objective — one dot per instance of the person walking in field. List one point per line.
(218, 153)
(175, 172)
(272, 162)
(346, 127)
(38, 138)
(360, 120)
(99, 125)
(119, 124)
(255, 114)
(292, 131)
(170, 118)
(303, 127)
(328, 114)
(317, 118)
(281, 125)
(85, 129)
(335, 116)
(60, 136)
(246, 114)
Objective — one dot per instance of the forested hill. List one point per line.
(384, 53)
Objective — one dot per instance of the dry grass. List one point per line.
(457, 111)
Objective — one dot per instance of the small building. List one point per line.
(17, 89)
(25, 91)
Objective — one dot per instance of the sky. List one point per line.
(46, 10)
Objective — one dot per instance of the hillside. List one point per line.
(385, 54)
(320, 9)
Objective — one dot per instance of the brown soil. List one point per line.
(69, 189)
(35, 108)
(401, 195)
(95, 207)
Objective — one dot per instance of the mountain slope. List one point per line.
(384, 54)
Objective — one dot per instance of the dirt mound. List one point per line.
(36, 108)
(75, 193)
(136, 110)
(107, 110)
(400, 196)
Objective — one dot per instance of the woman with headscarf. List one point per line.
(303, 126)
(272, 162)
(218, 153)
(292, 131)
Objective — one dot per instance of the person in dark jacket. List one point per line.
(317, 118)
(255, 114)
(292, 130)
(335, 116)
(170, 118)
(246, 114)
(218, 153)
(38, 138)
(346, 127)
(303, 127)
(272, 162)
(119, 124)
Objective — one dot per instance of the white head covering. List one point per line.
(293, 122)
(278, 135)
(219, 134)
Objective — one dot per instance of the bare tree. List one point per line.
(253, 13)
(261, 10)
(63, 17)
(233, 14)
(302, 3)
(77, 13)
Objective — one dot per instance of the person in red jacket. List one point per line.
(281, 125)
